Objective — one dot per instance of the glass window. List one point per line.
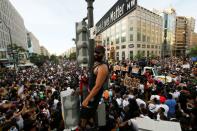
(144, 38)
(148, 46)
(117, 39)
(131, 37)
(123, 55)
(123, 46)
(138, 45)
(117, 47)
(148, 53)
(123, 37)
(143, 53)
(148, 38)
(131, 54)
(143, 46)
(152, 46)
(131, 28)
(138, 36)
(117, 53)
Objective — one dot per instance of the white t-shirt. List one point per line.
(166, 108)
(55, 103)
(155, 96)
(141, 87)
(140, 101)
(119, 101)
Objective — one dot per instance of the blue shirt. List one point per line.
(171, 103)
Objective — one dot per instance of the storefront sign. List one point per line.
(118, 11)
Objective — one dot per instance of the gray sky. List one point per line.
(53, 21)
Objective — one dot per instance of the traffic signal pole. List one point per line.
(91, 41)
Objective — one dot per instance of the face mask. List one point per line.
(98, 58)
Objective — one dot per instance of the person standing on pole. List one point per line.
(100, 79)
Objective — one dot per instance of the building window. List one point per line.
(148, 46)
(123, 55)
(131, 55)
(144, 38)
(143, 46)
(152, 46)
(138, 45)
(123, 46)
(148, 53)
(148, 38)
(117, 47)
(117, 53)
(117, 40)
(131, 28)
(131, 37)
(156, 47)
(138, 36)
(143, 53)
(123, 37)
(117, 56)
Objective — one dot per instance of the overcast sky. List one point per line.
(53, 21)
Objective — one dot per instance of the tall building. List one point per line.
(193, 40)
(33, 44)
(184, 29)
(44, 51)
(169, 27)
(128, 32)
(11, 24)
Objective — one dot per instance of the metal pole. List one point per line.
(91, 41)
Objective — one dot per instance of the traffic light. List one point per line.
(82, 44)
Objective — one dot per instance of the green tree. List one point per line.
(73, 56)
(38, 60)
(139, 56)
(54, 59)
(193, 51)
(152, 56)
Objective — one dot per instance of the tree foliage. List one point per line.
(38, 60)
(193, 51)
(73, 56)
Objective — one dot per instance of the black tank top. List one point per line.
(95, 101)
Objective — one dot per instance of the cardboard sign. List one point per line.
(131, 82)
(135, 70)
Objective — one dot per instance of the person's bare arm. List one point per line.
(100, 79)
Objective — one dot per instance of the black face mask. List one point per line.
(98, 58)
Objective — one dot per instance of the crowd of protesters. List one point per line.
(30, 98)
(149, 98)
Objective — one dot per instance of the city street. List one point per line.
(96, 65)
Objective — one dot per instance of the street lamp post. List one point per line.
(11, 44)
(91, 41)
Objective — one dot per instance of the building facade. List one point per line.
(169, 27)
(10, 20)
(44, 51)
(139, 32)
(184, 28)
(33, 44)
(193, 40)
